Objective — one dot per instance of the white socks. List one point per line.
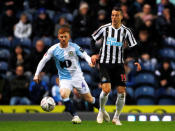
(103, 100)
(120, 102)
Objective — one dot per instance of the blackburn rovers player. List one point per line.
(66, 59)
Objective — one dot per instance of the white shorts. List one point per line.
(80, 85)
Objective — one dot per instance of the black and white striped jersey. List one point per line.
(112, 48)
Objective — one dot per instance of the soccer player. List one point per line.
(66, 59)
(111, 62)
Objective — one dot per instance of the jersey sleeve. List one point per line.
(47, 56)
(98, 33)
(81, 53)
(130, 38)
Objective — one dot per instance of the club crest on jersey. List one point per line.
(71, 53)
(113, 42)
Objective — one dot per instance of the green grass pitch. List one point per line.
(85, 126)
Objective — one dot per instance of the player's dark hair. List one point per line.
(116, 8)
(64, 29)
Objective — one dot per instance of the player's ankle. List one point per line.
(102, 109)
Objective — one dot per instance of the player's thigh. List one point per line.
(88, 97)
(81, 86)
(105, 78)
(65, 88)
(119, 78)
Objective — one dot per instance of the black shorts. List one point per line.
(113, 73)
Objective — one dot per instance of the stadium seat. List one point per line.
(68, 16)
(145, 101)
(5, 43)
(95, 75)
(53, 80)
(166, 101)
(47, 41)
(25, 43)
(144, 91)
(149, 65)
(130, 92)
(84, 42)
(3, 67)
(112, 97)
(96, 92)
(173, 65)
(54, 41)
(27, 51)
(85, 67)
(167, 53)
(145, 95)
(131, 65)
(4, 55)
(88, 51)
(50, 13)
(57, 17)
(46, 79)
(145, 78)
(165, 92)
(169, 41)
(29, 15)
(88, 79)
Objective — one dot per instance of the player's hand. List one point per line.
(36, 79)
(91, 65)
(94, 58)
(138, 66)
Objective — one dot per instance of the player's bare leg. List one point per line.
(88, 97)
(65, 93)
(120, 102)
(102, 114)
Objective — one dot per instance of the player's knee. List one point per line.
(63, 94)
(121, 89)
(106, 87)
(89, 99)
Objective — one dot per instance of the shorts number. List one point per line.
(123, 77)
(83, 86)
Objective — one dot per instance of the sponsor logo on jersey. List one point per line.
(113, 42)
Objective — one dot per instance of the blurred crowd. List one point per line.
(29, 27)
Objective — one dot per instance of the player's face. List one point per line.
(116, 17)
(64, 38)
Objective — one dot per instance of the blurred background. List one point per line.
(29, 27)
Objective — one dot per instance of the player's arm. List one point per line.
(97, 35)
(95, 52)
(47, 56)
(132, 43)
